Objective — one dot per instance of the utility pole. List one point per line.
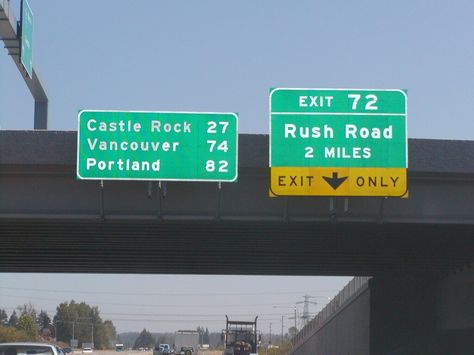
(281, 329)
(92, 341)
(295, 317)
(296, 329)
(270, 339)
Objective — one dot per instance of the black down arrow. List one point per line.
(335, 181)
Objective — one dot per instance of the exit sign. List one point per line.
(338, 142)
(131, 145)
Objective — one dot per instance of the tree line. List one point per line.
(72, 321)
(148, 340)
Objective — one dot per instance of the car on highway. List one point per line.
(162, 349)
(29, 348)
(86, 350)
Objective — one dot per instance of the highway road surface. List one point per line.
(136, 352)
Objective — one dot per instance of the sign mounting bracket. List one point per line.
(218, 201)
(101, 190)
(162, 191)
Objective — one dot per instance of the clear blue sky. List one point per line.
(214, 55)
(225, 56)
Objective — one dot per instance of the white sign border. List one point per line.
(148, 179)
(273, 90)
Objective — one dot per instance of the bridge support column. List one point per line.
(402, 313)
(413, 314)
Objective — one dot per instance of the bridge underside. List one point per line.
(231, 247)
(52, 222)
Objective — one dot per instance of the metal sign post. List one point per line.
(10, 34)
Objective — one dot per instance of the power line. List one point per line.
(222, 320)
(165, 293)
(190, 314)
(179, 314)
(152, 305)
(172, 320)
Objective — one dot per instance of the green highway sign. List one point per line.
(136, 145)
(26, 52)
(360, 130)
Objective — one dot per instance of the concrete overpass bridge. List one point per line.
(417, 250)
(51, 220)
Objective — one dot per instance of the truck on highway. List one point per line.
(186, 342)
(240, 337)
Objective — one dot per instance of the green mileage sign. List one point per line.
(183, 146)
